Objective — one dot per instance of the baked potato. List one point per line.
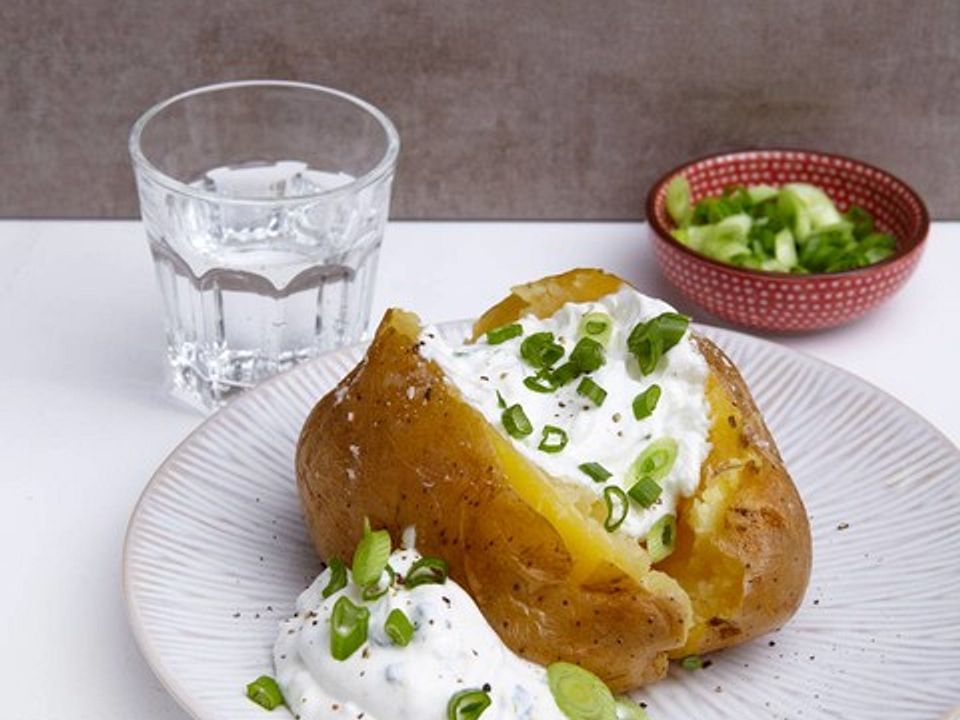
(396, 443)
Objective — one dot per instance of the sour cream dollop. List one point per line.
(609, 434)
(453, 649)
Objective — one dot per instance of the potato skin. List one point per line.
(393, 442)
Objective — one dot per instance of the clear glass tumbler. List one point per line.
(264, 204)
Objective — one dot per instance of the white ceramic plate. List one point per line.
(217, 552)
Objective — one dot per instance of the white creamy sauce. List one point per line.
(609, 435)
(453, 649)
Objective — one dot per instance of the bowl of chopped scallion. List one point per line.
(786, 240)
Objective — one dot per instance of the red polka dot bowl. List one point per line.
(783, 302)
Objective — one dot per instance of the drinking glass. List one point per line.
(264, 204)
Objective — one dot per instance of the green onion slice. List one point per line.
(265, 692)
(627, 709)
(542, 382)
(516, 422)
(467, 705)
(645, 491)
(656, 460)
(565, 373)
(650, 341)
(554, 439)
(595, 471)
(338, 577)
(379, 588)
(398, 628)
(587, 355)
(426, 571)
(646, 402)
(504, 333)
(691, 662)
(579, 693)
(617, 507)
(348, 628)
(501, 403)
(598, 326)
(588, 388)
(662, 538)
(540, 350)
(371, 556)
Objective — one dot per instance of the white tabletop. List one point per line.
(84, 422)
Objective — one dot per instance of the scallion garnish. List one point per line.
(565, 374)
(338, 577)
(516, 422)
(598, 326)
(504, 333)
(553, 440)
(691, 662)
(426, 571)
(348, 628)
(662, 538)
(379, 588)
(645, 491)
(579, 693)
(540, 350)
(646, 402)
(542, 382)
(587, 355)
(596, 471)
(468, 705)
(398, 628)
(656, 460)
(649, 341)
(589, 389)
(617, 507)
(265, 692)
(371, 556)
(501, 403)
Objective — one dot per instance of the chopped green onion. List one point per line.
(348, 628)
(579, 693)
(678, 201)
(554, 439)
(371, 556)
(617, 507)
(588, 388)
(691, 662)
(516, 422)
(501, 403)
(378, 588)
(398, 628)
(504, 333)
(540, 350)
(627, 709)
(542, 382)
(426, 571)
(565, 374)
(645, 491)
(468, 705)
(587, 355)
(598, 326)
(338, 577)
(662, 538)
(649, 341)
(596, 471)
(646, 402)
(656, 460)
(265, 692)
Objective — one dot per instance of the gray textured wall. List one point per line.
(537, 109)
